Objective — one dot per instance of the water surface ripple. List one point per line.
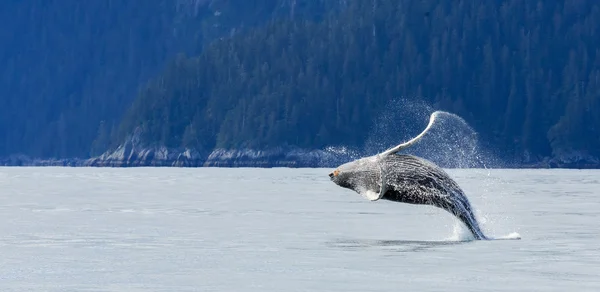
(172, 229)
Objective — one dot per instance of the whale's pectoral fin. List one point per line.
(412, 141)
(373, 195)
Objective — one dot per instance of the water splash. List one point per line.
(513, 235)
(451, 142)
(342, 151)
(336, 155)
(460, 233)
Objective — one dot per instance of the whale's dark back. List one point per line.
(415, 180)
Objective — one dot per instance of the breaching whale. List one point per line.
(407, 179)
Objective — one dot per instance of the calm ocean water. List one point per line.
(171, 229)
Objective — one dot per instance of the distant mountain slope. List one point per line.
(69, 69)
(525, 74)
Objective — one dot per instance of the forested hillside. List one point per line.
(70, 68)
(78, 78)
(524, 74)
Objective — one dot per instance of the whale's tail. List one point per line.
(463, 211)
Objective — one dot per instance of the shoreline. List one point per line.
(83, 163)
(132, 154)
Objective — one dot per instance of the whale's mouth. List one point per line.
(334, 174)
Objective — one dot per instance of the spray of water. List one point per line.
(342, 151)
(459, 233)
(451, 142)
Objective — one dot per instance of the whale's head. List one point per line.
(359, 175)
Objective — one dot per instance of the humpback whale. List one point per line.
(407, 179)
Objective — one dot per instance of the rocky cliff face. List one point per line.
(126, 156)
(572, 160)
(131, 154)
(161, 156)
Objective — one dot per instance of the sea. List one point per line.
(286, 229)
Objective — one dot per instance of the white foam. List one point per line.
(460, 233)
(510, 236)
